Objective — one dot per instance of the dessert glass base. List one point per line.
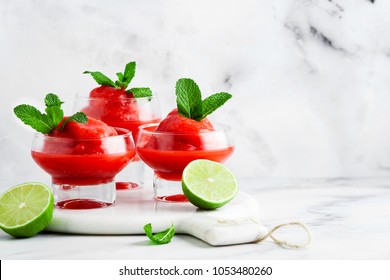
(84, 197)
(168, 190)
(132, 176)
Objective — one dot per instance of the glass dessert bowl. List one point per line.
(83, 170)
(81, 154)
(168, 153)
(184, 135)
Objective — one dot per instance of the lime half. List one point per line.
(208, 184)
(26, 209)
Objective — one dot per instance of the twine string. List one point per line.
(286, 243)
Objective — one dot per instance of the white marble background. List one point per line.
(310, 78)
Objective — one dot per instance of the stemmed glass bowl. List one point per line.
(168, 153)
(83, 170)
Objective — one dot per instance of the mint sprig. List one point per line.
(46, 123)
(128, 75)
(123, 80)
(189, 100)
(162, 237)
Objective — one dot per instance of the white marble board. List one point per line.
(235, 223)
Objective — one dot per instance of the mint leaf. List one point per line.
(79, 117)
(34, 118)
(188, 99)
(46, 123)
(55, 113)
(125, 78)
(129, 73)
(140, 92)
(53, 108)
(162, 237)
(213, 102)
(52, 100)
(101, 79)
(120, 76)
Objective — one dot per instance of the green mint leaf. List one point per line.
(53, 108)
(162, 237)
(79, 117)
(34, 118)
(55, 113)
(120, 76)
(188, 99)
(101, 79)
(125, 78)
(129, 73)
(140, 92)
(213, 102)
(52, 100)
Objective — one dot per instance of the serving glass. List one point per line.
(83, 170)
(168, 153)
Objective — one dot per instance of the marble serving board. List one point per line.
(235, 223)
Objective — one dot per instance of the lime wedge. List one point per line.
(26, 209)
(208, 184)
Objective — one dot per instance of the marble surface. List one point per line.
(348, 218)
(309, 78)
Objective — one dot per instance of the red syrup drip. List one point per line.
(126, 185)
(78, 204)
(173, 198)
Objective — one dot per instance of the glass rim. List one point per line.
(86, 97)
(219, 127)
(125, 134)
